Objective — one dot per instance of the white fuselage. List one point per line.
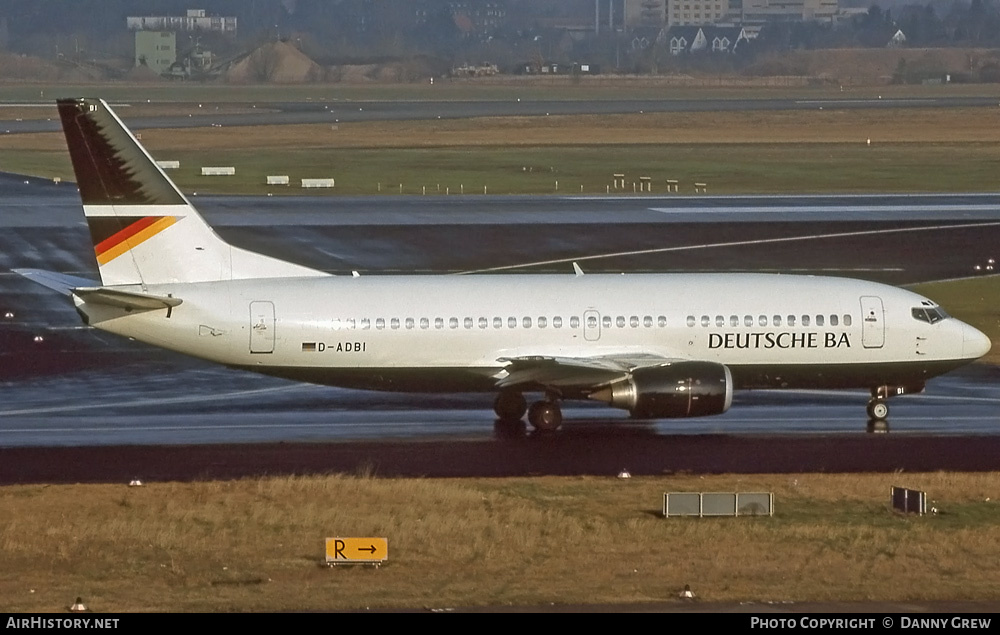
(394, 332)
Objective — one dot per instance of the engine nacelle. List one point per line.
(684, 389)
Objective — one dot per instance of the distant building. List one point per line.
(639, 13)
(685, 12)
(760, 11)
(709, 39)
(477, 17)
(156, 50)
(195, 20)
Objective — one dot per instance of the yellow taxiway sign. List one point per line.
(356, 550)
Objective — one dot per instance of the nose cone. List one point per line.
(975, 344)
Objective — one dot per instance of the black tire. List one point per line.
(510, 406)
(545, 416)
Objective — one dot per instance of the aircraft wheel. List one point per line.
(545, 416)
(878, 410)
(510, 406)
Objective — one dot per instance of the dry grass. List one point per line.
(258, 544)
(813, 151)
(915, 125)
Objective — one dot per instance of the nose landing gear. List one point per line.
(878, 409)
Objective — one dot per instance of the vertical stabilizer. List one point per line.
(144, 230)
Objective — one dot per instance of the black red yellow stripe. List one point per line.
(134, 231)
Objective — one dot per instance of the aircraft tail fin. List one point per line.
(143, 229)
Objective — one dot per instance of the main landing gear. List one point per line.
(544, 415)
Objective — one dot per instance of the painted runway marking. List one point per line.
(737, 243)
(822, 209)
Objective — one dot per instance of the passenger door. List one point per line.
(872, 322)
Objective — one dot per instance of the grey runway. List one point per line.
(215, 406)
(343, 111)
(65, 385)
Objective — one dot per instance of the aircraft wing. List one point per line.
(60, 282)
(579, 372)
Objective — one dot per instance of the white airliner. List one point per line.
(658, 346)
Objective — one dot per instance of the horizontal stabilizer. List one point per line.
(60, 282)
(126, 299)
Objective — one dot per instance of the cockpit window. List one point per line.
(931, 315)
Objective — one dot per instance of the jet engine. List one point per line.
(684, 389)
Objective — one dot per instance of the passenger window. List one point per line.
(574, 322)
(351, 324)
(498, 322)
(409, 323)
(661, 321)
(620, 322)
(633, 321)
(439, 323)
(819, 320)
(526, 322)
(453, 323)
(734, 320)
(468, 322)
(847, 319)
(747, 320)
(834, 321)
(720, 321)
(394, 323)
(805, 320)
(591, 322)
(542, 322)
(380, 323)
(483, 322)
(776, 320)
(557, 322)
(647, 321)
(791, 320)
(606, 321)
(762, 320)
(512, 322)
(425, 323)
(705, 320)
(690, 320)
(366, 324)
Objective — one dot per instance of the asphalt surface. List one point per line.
(80, 405)
(334, 111)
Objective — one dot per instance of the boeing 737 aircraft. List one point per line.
(656, 345)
